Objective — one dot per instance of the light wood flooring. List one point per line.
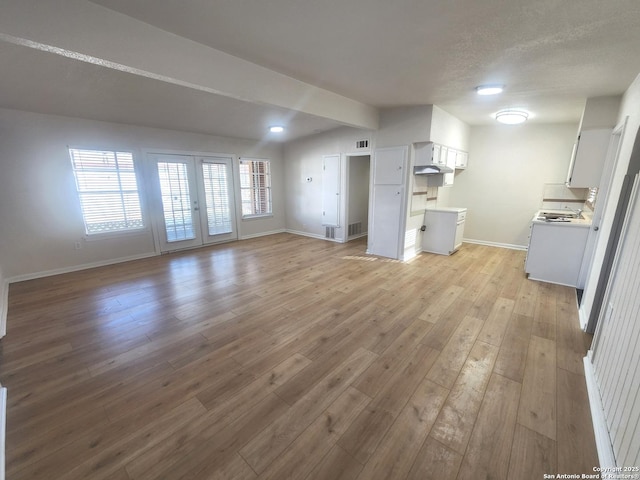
(286, 357)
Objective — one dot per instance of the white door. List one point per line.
(331, 190)
(386, 215)
(192, 200)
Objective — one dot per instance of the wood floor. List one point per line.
(286, 357)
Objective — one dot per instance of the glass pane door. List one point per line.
(177, 202)
(217, 190)
(193, 200)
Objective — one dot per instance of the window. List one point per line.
(108, 190)
(255, 187)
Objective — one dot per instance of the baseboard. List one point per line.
(603, 440)
(314, 235)
(496, 244)
(583, 318)
(77, 268)
(262, 234)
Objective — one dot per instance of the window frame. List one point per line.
(137, 171)
(253, 189)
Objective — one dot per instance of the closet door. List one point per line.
(331, 190)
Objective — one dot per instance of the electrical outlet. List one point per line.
(77, 245)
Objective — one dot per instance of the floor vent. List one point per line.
(362, 144)
(330, 232)
(355, 228)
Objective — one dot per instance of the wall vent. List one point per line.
(355, 228)
(330, 232)
(362, 144)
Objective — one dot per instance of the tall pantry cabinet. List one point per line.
(389, 201)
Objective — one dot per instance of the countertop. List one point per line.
(572, 222)
(447, 209)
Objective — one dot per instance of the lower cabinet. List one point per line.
(555, 252)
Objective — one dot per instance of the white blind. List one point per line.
(108, 190)
(217, 198)
(255, 187)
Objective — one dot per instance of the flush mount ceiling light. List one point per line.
(276, 129)
(512, 117)
(489, 89)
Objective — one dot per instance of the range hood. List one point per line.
(431, 170)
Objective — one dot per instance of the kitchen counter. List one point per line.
(569, 222)
(556, 249)
(447, 209)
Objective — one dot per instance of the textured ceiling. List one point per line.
(550, 54)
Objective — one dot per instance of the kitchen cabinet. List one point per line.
(461, 160)
(451, 163)
(588, 157)
(555, 252)
(444, 230)
(388, 167)
(428, 153)
(388, 202)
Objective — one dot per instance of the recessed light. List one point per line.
(512, 117)
(489, 89)
(276, 129)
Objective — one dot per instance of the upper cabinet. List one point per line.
(461, 160)
(587, 160)
(388, 167)
(429, 153)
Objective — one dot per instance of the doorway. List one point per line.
(192, 200)
(357, 199)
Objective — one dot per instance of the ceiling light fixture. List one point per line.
(512, 117)
(489, 89)
(276, 129)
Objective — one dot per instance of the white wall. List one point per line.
(39, 209)
(303, 159)
(503, 184)
(449, 130)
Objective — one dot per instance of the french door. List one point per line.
(193, 200)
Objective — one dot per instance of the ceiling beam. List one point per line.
(91, 33)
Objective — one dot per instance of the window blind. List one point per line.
(108, 190)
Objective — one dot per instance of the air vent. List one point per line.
(355, 228)
(330, 232)
(362, 144)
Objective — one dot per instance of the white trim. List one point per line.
(76, 268)
(262, 234)
(4, 303)
(314, 235)
(356, 236)
(496, 244)
(603, 440)
(3, 428)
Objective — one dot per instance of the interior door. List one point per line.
(192, 200)
(331, 190)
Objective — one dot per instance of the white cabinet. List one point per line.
(461, 160)
(555, 252)
(429, 153)
(389, 167)
(451, 163)
(388, 203)
(587, 160)
(444, 230)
